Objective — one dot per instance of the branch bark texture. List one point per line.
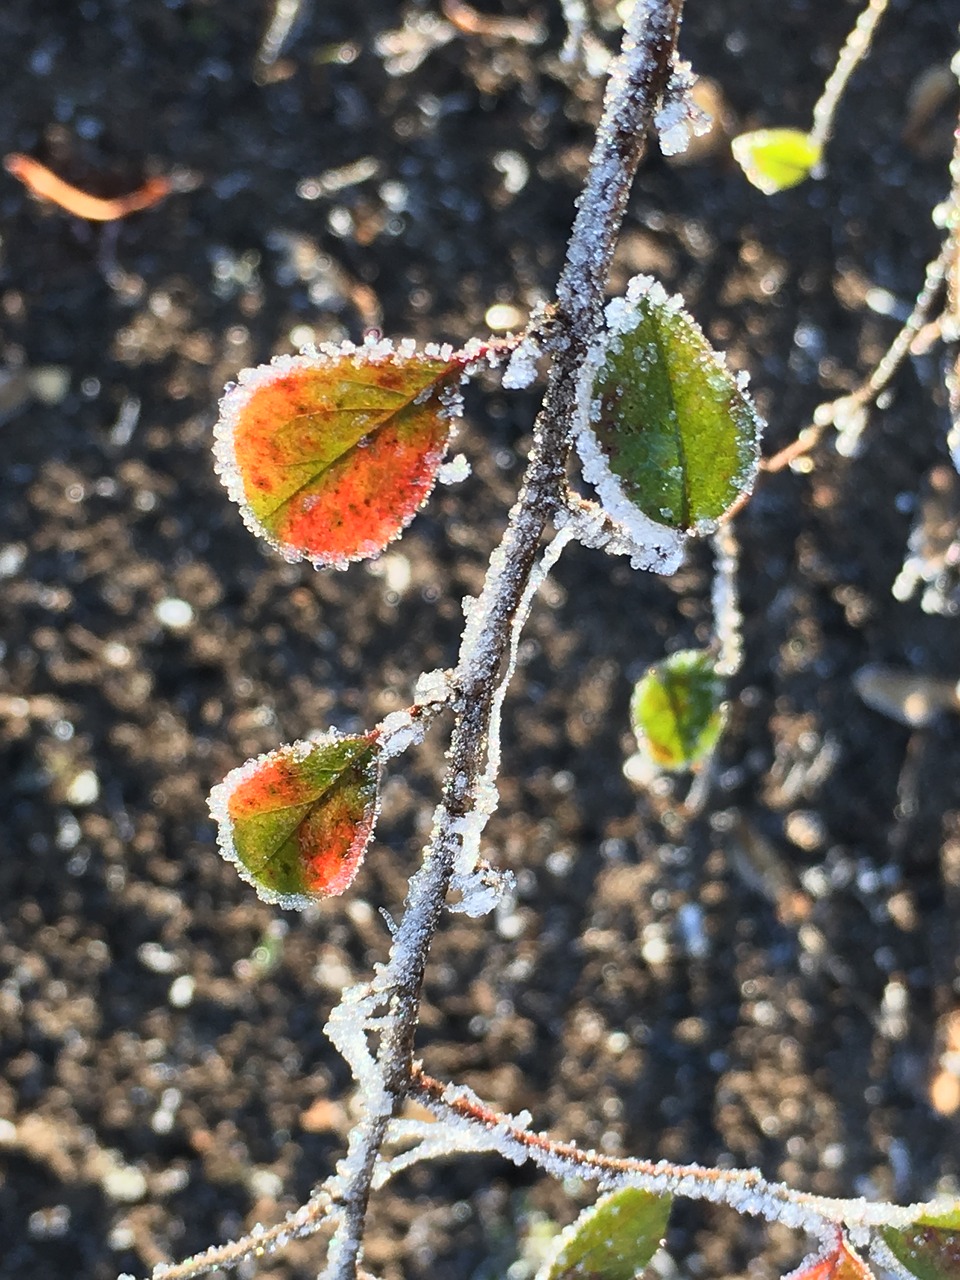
(635, 89)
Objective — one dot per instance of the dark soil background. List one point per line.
(775, 985)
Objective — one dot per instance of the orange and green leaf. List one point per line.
(331, 454)
(298, 820)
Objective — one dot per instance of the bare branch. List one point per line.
(745, 1190)
(636, 86)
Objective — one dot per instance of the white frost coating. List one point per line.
(433, 686)
(455, 471)
(482, 887)
(521, 370)
(624, 319)
(305, 1221)
(433, 1140)
(727, 618)
(218, 802)
(237, 396)
(651, 546)
(347, 1028)
(680, 118)
(479, 892)
(399, 731)
(745, 1190)
(595, 528)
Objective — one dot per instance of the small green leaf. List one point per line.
(297, 820)
(928, 1248)
(670, 431)
(776, 159)
(612, 1240)
(331, 454)
(677, 710)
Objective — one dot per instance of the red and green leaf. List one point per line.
(331, 454)
(298, 820)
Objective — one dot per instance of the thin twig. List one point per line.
(845, 412)
(635, 89)
(950, 320)
(261, 1242)
(851, 55)
(745, 1190)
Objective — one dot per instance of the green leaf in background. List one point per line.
(928, 1248)
(297, 820)
(776, 159)
(677, 710)
(612, 1240)
(672, 423)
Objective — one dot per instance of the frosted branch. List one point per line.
(258, 1243)
(727, 618)
(633, 96)
(745, 1190)
(848, 414)
(851, 55)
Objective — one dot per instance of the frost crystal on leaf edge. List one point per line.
(237, 395)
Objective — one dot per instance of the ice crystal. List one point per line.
(680, 118)
(432, 687)
(521, 371)
(455, 471)
(399, 731)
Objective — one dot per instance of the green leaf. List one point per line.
(612, 1240)
(298, 820)
(929, 1248)
(331, 454)
(776, 159)
(671, 431)
(677, 710)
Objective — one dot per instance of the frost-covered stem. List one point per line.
(852, 53)
(744, 1190)
(636, 86)
(843, 413)
(950, 321)
(727, 618)
(260, 1242)
(575, 16)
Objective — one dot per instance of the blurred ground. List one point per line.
(772, 988)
